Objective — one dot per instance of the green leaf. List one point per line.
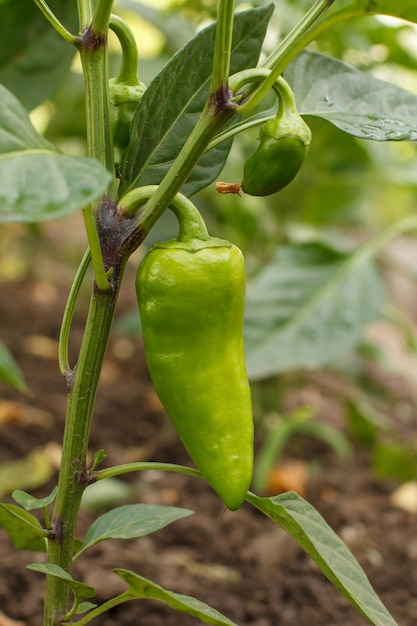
(36, 182)
(143, 588)
(174, 101)
(9, 370)
(301, 520)
(30, 503)
(353, 101)
(23, 528)
(16, 130)
(83, 607)
(81, 590)
(42, 185)
(34, 59)
(309, 306)
(131, 521)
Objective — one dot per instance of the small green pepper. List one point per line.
(284, 144)
(124, 99)
(191, 295)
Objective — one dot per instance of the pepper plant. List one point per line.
(150, 149)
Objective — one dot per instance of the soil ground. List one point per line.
(240, 563)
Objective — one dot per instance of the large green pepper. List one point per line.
(191, 294)
(284, 144)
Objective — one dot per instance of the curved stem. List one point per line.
(127, 468)
(191, 223)
(128, 72)
(52, 19)
(63, 360)
(284, 53)
(110, 604)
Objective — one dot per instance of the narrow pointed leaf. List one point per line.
(301, 520)
(175, 99)
(354, 101)
(131, 521)
(23, 528)
(81, 590)
(143, 588)
(10, 372)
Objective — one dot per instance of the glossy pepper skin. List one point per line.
(191, 299)
(284, 144)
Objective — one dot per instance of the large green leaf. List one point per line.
(23, 528)
(308, 307)
(131, 521)
(301, 520)
(34, 59)
(143, 588)
(36, 181)
(16, 130)
(174, 100)
(37, 185)
(354, 101)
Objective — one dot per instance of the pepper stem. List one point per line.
(128, 72)
(191, 224)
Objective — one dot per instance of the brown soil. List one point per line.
(240, 563)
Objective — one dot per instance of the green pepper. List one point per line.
(191, 294)
(284, 144)
(124, 99)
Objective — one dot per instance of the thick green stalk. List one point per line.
(72, 477)
(83, 380)
(93, 53)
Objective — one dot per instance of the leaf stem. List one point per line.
(284, 53)
(110, 604)
(55, 22)
(127, 468)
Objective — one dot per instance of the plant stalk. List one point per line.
(73, 475)
(83, 380)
